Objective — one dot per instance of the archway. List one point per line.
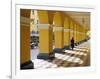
(58, 32)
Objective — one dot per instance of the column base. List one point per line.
(86, 40)
(76, 44)
(58, 50)
(46, 56)
(27, 65)
(80, 42)
(67, 47)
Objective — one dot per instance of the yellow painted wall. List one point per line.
(66, 34)
(45, 35)
(58, 35)
(51, 16)
(51, 38)
(75, 33)
(66, 38)
(86, 30)
(25, 44)
(44, 40)
(82, 33)
(58, 39)
(43, 16)
(25, 13)
(24, 37)
(71, 30)
(80, 28)
(57, 19)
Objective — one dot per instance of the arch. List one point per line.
(58, 31)
(43, 16)
(66, 23)
(51, 16)
(45, 34)
(58, 20)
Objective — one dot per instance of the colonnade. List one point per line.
(56, 23)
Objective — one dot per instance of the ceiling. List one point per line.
(83, 18)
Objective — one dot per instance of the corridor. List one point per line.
(54, 39)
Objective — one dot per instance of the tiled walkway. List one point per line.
(80, 56)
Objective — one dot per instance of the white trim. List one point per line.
(71, 30)
(66, 30)
(57, 28)
(25, 20)
(43, 26)
(25, 24)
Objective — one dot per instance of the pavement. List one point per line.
(78, 57)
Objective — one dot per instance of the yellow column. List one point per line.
(58, 38)
(78, 36)
(25, 59)
(75, 33)
(82, 34)
(58, 33)
(66, 33)
(45, 37)
(71, 30)
(79, 33)
(86, 34)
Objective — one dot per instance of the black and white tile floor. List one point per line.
(71, 58)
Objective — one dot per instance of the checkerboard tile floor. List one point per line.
(71, 58)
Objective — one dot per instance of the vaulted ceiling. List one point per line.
(83, 18)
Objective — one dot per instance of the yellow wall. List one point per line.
(71, 29)
(79, 33)
(66, 34)
(51, 38)
(57, 19)
(25, 43)
(43, 16)
(75, 33)
(25, 36)
(45, 34)
(58, 34)
(44, 40)
(59, 39)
